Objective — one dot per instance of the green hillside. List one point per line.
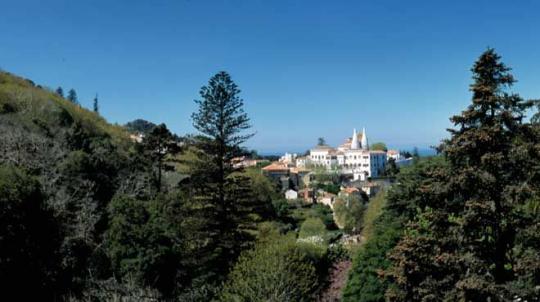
(80, 162)
(38, 109)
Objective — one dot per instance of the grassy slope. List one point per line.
(36, 107)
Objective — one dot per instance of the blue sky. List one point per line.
(306, 68)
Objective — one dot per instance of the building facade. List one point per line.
(351, 157)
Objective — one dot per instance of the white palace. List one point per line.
(351, 157)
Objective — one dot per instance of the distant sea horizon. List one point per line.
(423, 151)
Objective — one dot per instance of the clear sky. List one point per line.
(306, 68)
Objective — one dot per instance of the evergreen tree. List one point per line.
(30, 239)
(221, 121)
(140, 126)
(467, 243)
(391, 169)
(72, 96)
(60, 91)
(159, 146)
(321, 141)
(96, 105)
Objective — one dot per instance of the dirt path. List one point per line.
(337, 280)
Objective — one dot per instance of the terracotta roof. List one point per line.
(350, 190)
(297, 170)
(275, 166)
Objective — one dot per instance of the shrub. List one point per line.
(275, 271)
(349, 213)
(144, 243)
(325, 213)
(313, 227)
(29, 239)
(365, 283)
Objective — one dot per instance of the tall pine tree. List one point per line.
(466, 243)
(60, 91)
(72, 96)
(96, 104)
(159, 147)
(222, 123)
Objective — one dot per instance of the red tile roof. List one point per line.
(275, 166)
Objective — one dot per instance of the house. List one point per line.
(276, 170)
(327, 199)
(401, 161)
(279, 173)
(291, 194)
(288, 158)
(393, 154)
(307, 195)
(137, 138)
(371, 188)
(348, 191)
(300, 177)
(302, 162)
(244, 162)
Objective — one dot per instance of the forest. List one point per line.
(88, 213)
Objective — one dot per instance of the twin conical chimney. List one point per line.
(365, 145)
(354, 142)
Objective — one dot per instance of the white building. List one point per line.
(288, 158)
(303, 161)
(328, 199)
(393, 154)
(352, 157)
(291, 194)
(400, 160)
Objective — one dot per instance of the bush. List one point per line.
(281, 207)
(349, 213)
(313, 227)
(275, 271)
(29, 239)
(365, 284)
(144, 245)
(324, 213)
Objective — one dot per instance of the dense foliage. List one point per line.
(349, 213)
(276, 270)
(472, 230)
(140, 126)
(93, 215)
(30, 238)
(366, 279)
(474, 237)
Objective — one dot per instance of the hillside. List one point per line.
(80, 161)
(37, 109)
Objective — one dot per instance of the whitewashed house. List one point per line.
(291, 194)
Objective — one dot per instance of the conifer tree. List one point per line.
(467, 242)
(222, 122)
(96, 105)
(157, 146)
(72, 96)
(60, 91)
